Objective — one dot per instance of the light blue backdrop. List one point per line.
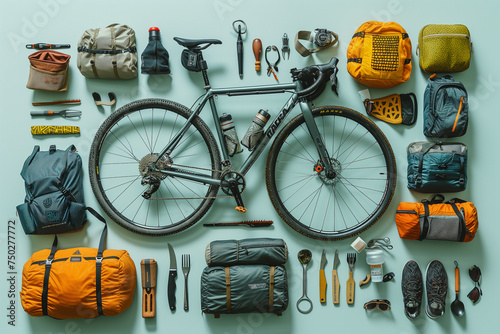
(63, 21)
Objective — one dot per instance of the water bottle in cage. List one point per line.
(230, 135)
(255, 130)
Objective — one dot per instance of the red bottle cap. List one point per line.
(154, 29)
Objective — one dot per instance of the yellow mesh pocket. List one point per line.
(394, 109)
(385, 53)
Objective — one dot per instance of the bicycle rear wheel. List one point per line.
(124, 149)
(341, 206)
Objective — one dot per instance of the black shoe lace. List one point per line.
(438, 292)
(412, 290)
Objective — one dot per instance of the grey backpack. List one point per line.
(54, 192)
(108, 53)
(446, 108)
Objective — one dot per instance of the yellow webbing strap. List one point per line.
(228, 290)
(54, 130)
(271, 288)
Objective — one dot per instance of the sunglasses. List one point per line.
(476, 292)
(381, 304)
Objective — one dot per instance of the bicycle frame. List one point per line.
(275, 124)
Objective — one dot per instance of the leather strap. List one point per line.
(228, 290)
(271, 288)
(305, 35)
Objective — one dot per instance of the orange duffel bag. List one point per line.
(379, 54)
(454, 220)
(78, 282)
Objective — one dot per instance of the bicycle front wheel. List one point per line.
(120, 167)
(338, 206)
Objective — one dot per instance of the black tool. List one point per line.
(285, 49)
(272, 67)
(172, 275)
(43, 46)
(64, 113)
(239, 45)
(254, 223)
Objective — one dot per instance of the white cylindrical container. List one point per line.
(375, 258)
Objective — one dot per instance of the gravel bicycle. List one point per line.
(156, 167)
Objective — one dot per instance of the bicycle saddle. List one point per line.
(192, 43)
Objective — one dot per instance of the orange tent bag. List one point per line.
(379, 54)
(78, 282)
(454, 220)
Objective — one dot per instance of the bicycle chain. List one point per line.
(185, 198)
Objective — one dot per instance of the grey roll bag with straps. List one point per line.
(54, 200)
(108, 53)
(245, 276)
(437, 167)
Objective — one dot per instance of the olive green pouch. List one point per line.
(444, 48)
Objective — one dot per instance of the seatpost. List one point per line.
(204, 71)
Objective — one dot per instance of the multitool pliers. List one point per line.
(272, 67)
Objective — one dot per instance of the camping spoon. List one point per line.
(457, 307)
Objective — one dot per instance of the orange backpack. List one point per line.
(379, 54)
(454, 220)
(78, 282)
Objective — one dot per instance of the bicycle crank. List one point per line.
(233, 183)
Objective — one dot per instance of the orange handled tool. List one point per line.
(322, 279)
(335, 279)
(148, 275)
(257, 51)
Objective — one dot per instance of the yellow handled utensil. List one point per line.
(322, 279)
(335, 279)
(351, 259)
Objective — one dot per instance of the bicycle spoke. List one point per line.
(148, 144)
(145, 144)
(159, 131)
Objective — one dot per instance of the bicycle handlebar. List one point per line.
(323, 70)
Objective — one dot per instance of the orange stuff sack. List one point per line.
(379, 54)
(68, 283)
(455, 220)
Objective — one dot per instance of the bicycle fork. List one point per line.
(324, 163)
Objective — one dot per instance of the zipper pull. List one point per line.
(458, 114)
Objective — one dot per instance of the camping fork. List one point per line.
(186, 266)
(351, 259)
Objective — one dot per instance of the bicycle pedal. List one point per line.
(241, 209)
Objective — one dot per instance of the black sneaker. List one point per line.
(412, 286)
(436, 284)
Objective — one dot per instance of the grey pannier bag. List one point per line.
(108, 53)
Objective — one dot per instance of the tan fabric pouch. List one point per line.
(48, 71)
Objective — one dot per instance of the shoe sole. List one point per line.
(427, 304)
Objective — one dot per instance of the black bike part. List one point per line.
(318, 205)
(314, 79)
(195, 43)
(118, 165)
